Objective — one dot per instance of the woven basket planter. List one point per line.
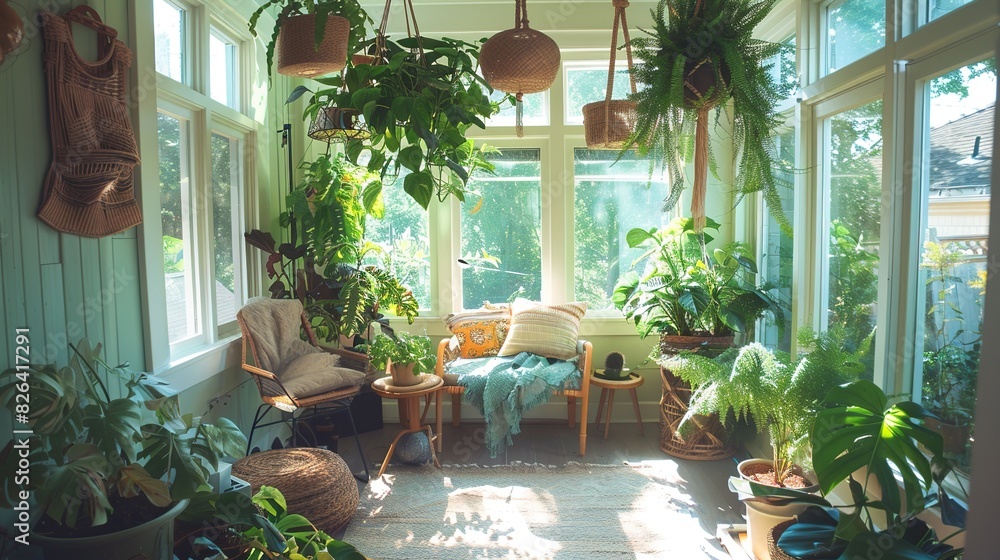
(297, 54)
(707, 441)
(316, 483)
(772, 541)
(607, 124)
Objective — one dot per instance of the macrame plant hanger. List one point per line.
(609, 123)
(520, 60)
(412, 30)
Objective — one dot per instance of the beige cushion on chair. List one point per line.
(315, 374)
(546, 330)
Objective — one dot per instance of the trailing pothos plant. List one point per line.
(402, 348)
(701, 55)
(350, 10)
(418, 99)
(341, 279)
(861, 440)
(683, 289)
(97, 465)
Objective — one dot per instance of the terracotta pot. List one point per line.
(763, 516)
(402, 375)
(296, 51)
(955, 436)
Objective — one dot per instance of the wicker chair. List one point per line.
(305, 375)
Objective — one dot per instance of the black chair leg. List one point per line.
(256, 420)
(357, 440)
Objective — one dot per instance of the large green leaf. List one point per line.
(857, 430)
(167, 453)
(116, 430)
(134, 480)
(82, 475)
(224, 437)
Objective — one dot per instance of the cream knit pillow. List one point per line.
(547, 330)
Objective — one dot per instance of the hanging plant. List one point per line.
(418, 100)
(323, 15)
(699, 56)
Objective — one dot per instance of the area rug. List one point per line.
(531, 511)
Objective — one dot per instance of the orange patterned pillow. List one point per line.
(480, 332)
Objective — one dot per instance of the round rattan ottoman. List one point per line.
(316, 483)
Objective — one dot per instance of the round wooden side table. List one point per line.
(608, 388)
(409, 397)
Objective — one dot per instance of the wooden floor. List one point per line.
(556, 444)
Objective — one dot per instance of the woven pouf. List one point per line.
(316, 483)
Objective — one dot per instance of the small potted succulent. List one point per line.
(407, 356)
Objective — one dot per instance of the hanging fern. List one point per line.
(719, 35)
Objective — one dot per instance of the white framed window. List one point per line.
(224, 68)
(853, 29)
(534, 110)
(586, 82)
(206, 154)
(172, 40)
(610, 197)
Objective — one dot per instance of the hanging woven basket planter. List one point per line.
(520, 60)
(298, 54)
(608, 124)
(334, 124)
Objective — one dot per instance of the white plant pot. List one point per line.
(763, 516)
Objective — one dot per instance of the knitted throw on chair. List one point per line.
(503, 388)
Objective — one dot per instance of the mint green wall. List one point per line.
(62, 287)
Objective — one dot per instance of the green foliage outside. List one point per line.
(501, 231)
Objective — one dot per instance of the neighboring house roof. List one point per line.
(961, 155)
(177, 308)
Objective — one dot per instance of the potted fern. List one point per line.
(106, 483)
(312, 37)
(701, 56)
(781, 398)
(407, 356)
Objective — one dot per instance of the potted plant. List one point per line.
(779, 397)
(695, 300)
(418, 99)
(704, 56)
(313, 37)
(105, 483)
(950, 363)
(684, 291)
(406, 355)
(330, 269)
(861, 440)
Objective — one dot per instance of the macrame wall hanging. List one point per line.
(608, 124)
(520, 60)
(88, 189)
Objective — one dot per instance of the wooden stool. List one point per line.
(608, 387)
(411, 421)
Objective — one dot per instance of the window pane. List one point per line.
(501, 231)
(776, 264)
(535, 110)
(179, 259)
(610, 199)
(587, 84)
(783, 68)
(222, 62)
(938, 8)
(854, 29)
(226, 176)
(169, 25)
(954, 242)
(854, 160)
(403, 233)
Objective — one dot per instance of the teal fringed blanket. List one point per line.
(503, 388)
